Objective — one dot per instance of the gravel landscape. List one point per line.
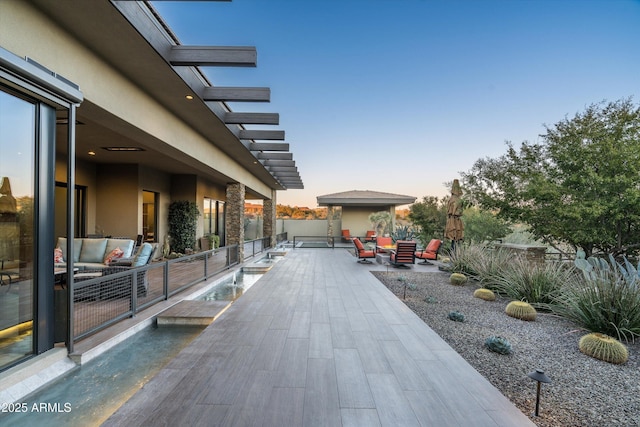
(583, 392)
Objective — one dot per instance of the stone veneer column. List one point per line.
(234, 217)
(269, 218)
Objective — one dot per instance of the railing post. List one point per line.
(134, 292)
(206, 271)
(165, 280)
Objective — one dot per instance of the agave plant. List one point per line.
(403, 232)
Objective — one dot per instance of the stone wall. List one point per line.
(269, 215)
(234, 217)
(532, 253)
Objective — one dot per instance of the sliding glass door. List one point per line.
(17, 237)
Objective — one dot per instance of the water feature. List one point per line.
(88, 395)
(231, 288)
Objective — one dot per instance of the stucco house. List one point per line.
(105, 119)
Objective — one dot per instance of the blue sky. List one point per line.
(401, 95)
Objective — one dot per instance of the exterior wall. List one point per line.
(301, 227)
(356, 219)
(118, 200)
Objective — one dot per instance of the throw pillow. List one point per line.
(114, 254)
(57, 256)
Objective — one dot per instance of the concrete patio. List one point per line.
(318, 341)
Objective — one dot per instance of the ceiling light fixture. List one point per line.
(91, 153)
(189, 97)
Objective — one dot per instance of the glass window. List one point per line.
(17, 142)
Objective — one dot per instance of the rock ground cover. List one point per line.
(584, 391)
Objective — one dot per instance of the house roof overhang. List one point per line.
(132, 38)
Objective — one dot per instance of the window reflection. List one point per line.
(17, 142)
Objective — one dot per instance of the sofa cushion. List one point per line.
(142, 258)
(77, 247)
(125, 244)
(93, 250)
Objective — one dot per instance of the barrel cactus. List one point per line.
(603, 347)
(456, 316)
(521, 310)
(485, 294)
(498, 344)
(458, 279)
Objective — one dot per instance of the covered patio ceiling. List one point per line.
(132, 37)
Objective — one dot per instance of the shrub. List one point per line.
(498, 344)
(462, 257)
(603, 347)
(183, 216)
(457, 279)
(521, 310)
(456, 316)
(490, 264)
(536, 283)
(485, 294)
(607, 300)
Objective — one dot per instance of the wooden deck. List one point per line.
(318, 341)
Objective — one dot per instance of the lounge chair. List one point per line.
(346, 235)
(363, 254)
(405, 253)
(370, 237)
(430, 252)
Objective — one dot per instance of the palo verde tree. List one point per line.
(580, 185)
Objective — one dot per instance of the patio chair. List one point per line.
(363, 254)
(370, 237)
(383, 241)
(430, 252)
(405, 253)
(346, 235)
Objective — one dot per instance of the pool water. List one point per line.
(89, 394)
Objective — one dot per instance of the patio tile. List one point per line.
(319, 341)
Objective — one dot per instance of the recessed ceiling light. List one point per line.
(91, 153)
(122, 148)
(189, 97)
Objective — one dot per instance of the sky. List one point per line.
(400, 96)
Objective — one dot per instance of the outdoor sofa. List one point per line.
(93, 253)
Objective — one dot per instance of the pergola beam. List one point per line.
(282, 169)
(215, 56)
(286, 175)
(232, 118)
(272, 135)
(269, 146)
(275, 156)
(289, 163)
(237, 94)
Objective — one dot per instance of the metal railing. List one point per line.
(99, 302)
(314, 241)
